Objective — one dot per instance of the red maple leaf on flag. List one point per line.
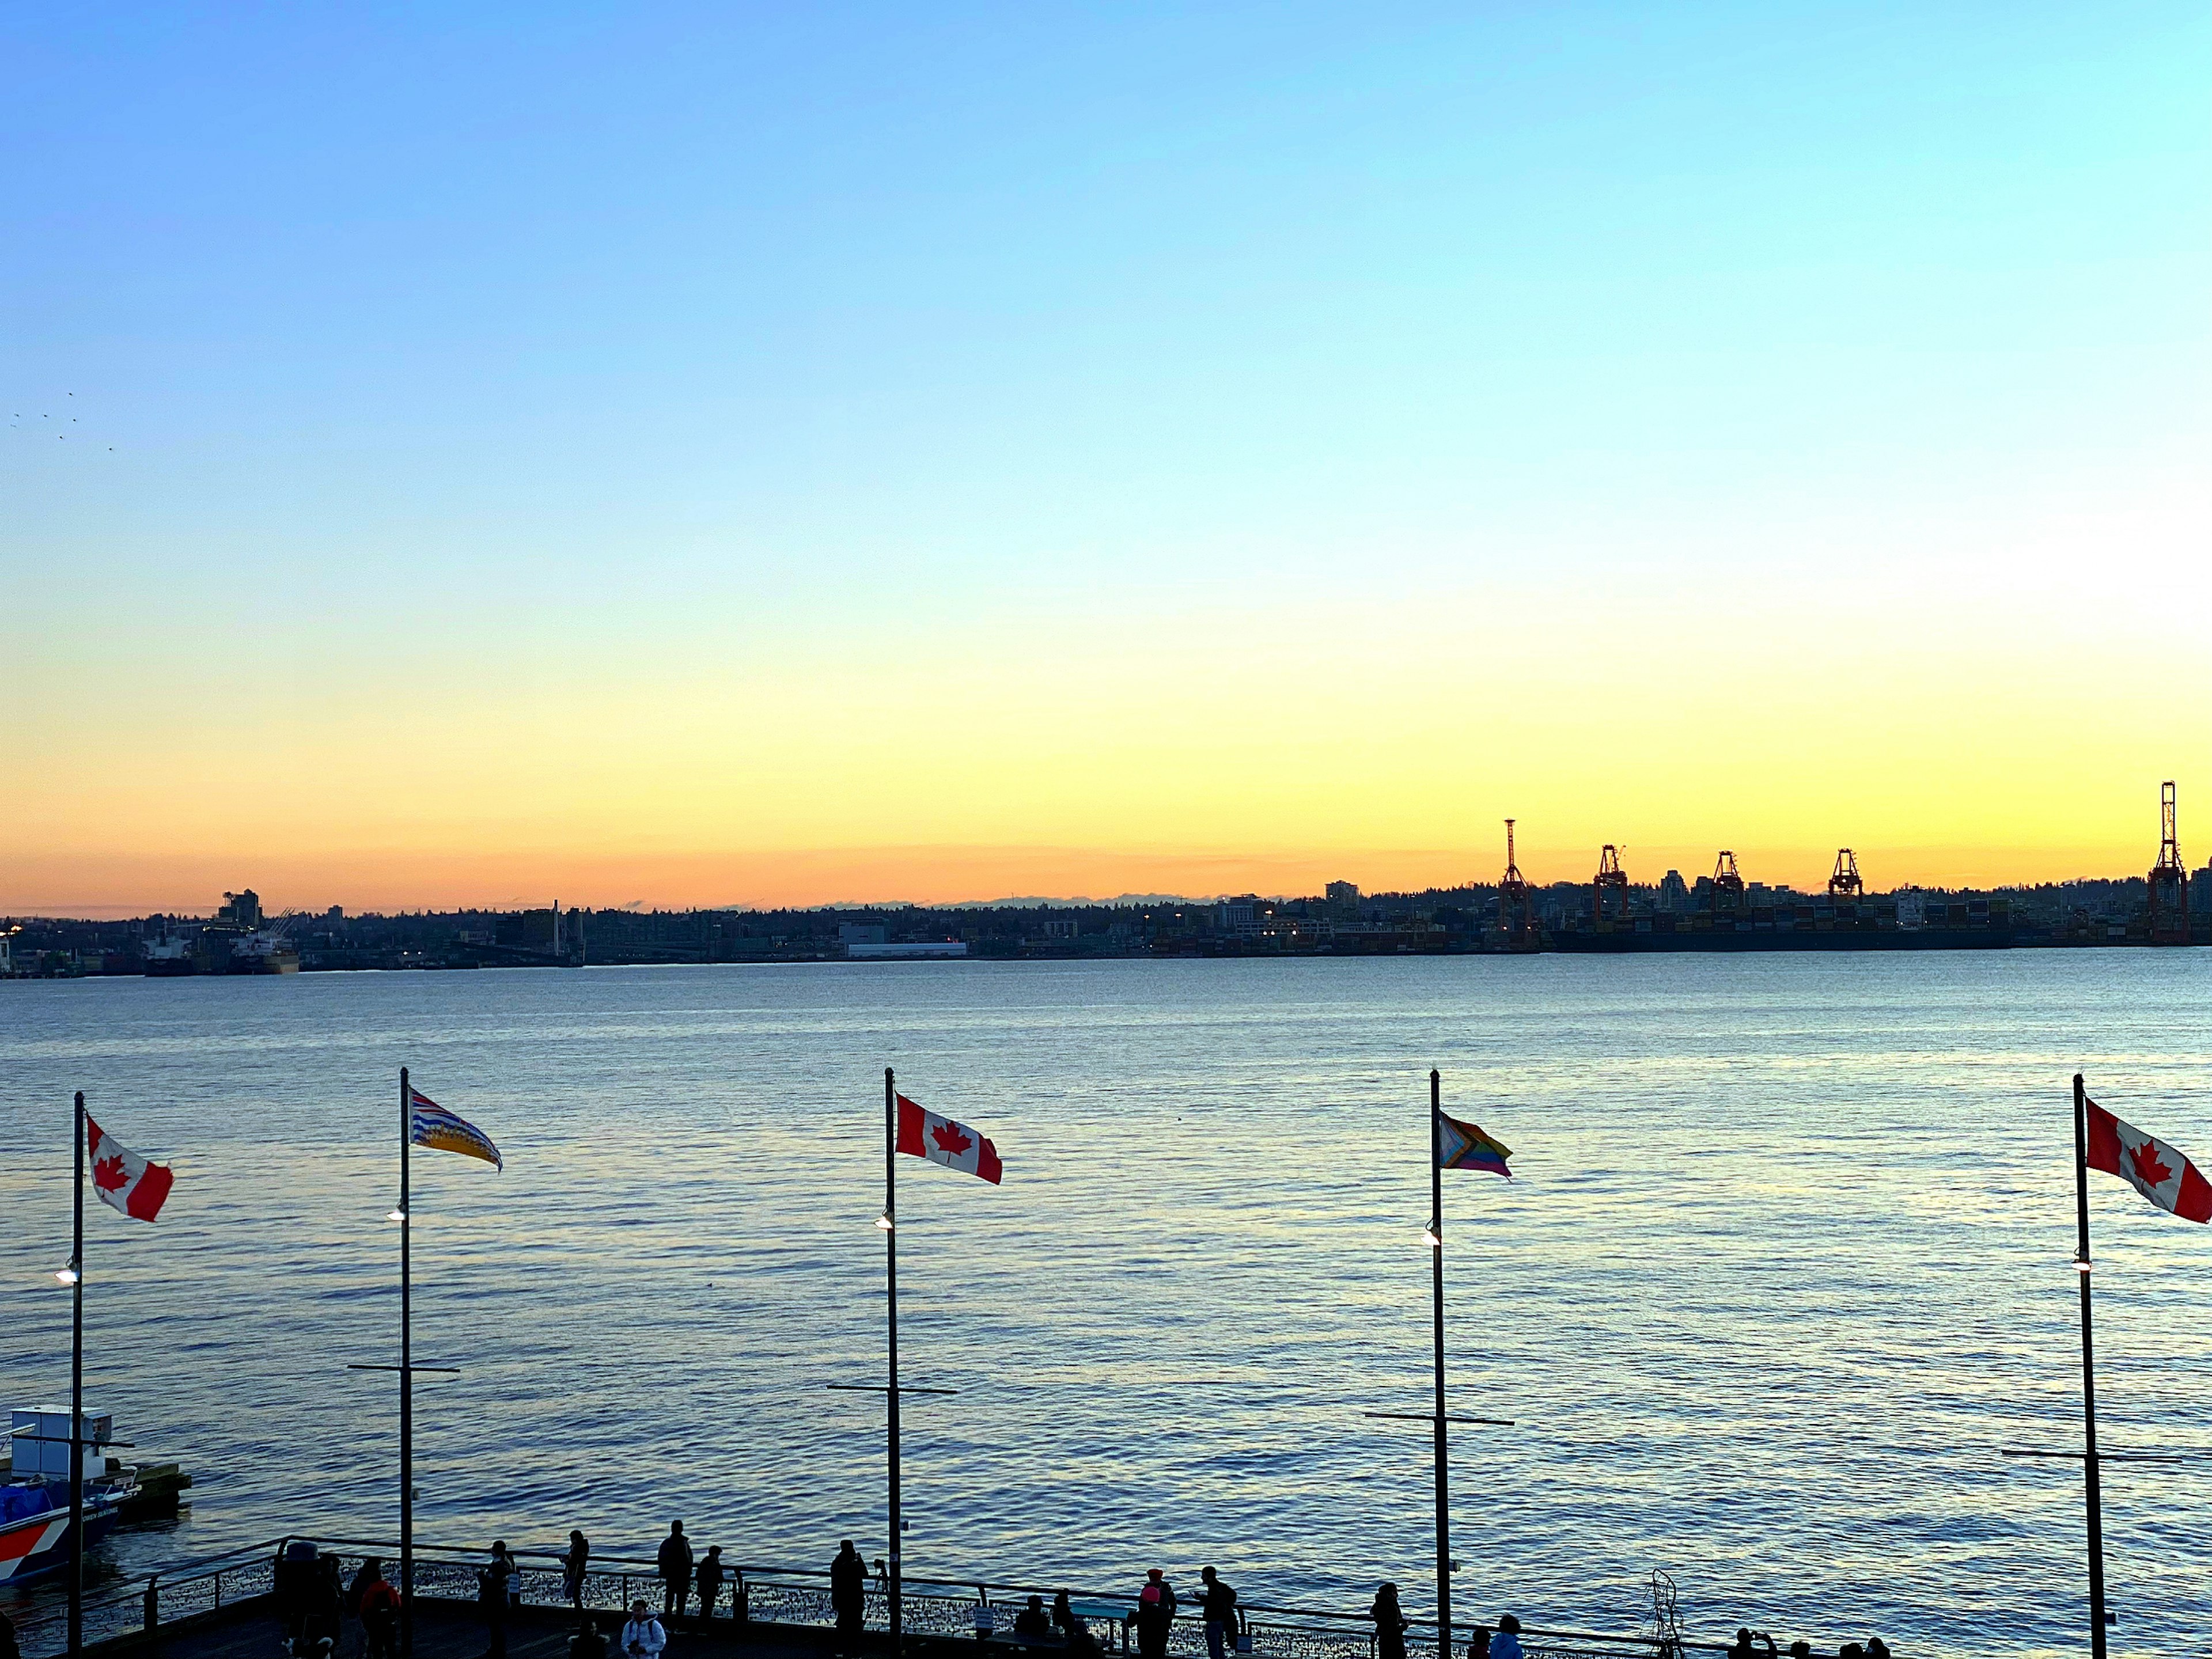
(107, 1174)
(2148, 1169)
(950, 1140)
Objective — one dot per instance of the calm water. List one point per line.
(1785, 1266)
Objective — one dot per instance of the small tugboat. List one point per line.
(34, 1492)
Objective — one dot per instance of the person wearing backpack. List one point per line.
(376, 1604)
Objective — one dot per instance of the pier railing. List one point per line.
(792, 1598)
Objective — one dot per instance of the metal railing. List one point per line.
(140, 1604)
(791, 1597)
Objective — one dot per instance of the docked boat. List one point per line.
(34, 1492)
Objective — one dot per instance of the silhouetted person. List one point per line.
(1156, 1612)
(1218, 1603)
(495, 1591)
(710, 1582)
(1506, 1645)
(642, 1637)
(1876, 1648)
(1478, 1644)
(1389, 1623)
(376, 1604)
(849, 1597)
(588, 1643)
(1851, 1650)
(1063, 1616)
(675, 1570)
(573, 1567)
(1801, 1649)
(1032, 1623)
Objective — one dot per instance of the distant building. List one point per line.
(862, 950)
(1911, 909)
(1341, 892)
(242, 908)
(1674, 895)
(1235, 915)
(850, 933)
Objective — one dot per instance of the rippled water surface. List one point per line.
(1784, 1266)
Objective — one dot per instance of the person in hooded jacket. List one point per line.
(1506, 1645)
(642, 1637)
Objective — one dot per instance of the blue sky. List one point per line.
(483, 340)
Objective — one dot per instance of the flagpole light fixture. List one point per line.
(2080, 1264)
(66, 1276)
(1432, 1236)
(397, 1215)
(883, 1221)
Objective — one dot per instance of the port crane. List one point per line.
(1609, 891)
(1728, 885)
(1843, 882)
(1515, 914)
(2169, 879)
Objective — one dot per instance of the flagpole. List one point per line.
(406, 1385)
(2088, 1378)
(1437, 1266)
(76, 1400)
(890, 1303)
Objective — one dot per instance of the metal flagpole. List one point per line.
(2097, 1617)
(890, 1303)
(406, 1385)
(1436, 1263)
(77, 1401)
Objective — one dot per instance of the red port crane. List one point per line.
(1515, 916)
(1609, 892)
(2169, 879)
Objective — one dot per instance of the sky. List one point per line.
(478, 455)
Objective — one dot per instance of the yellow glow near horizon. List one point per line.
(1296, 748)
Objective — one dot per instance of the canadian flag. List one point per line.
(941, 1141)
(2148, 1165)
(124, 1180)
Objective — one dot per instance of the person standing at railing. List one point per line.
(498, 1588)
(1389, 1623)
(674, 1571)
(710, 1582)
(1506, 1645)
(1220, 1604)
(1156, 1612)
(571, 1569)
(848, 1597)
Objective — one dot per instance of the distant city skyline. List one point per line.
(766, 455)
(279, 892)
